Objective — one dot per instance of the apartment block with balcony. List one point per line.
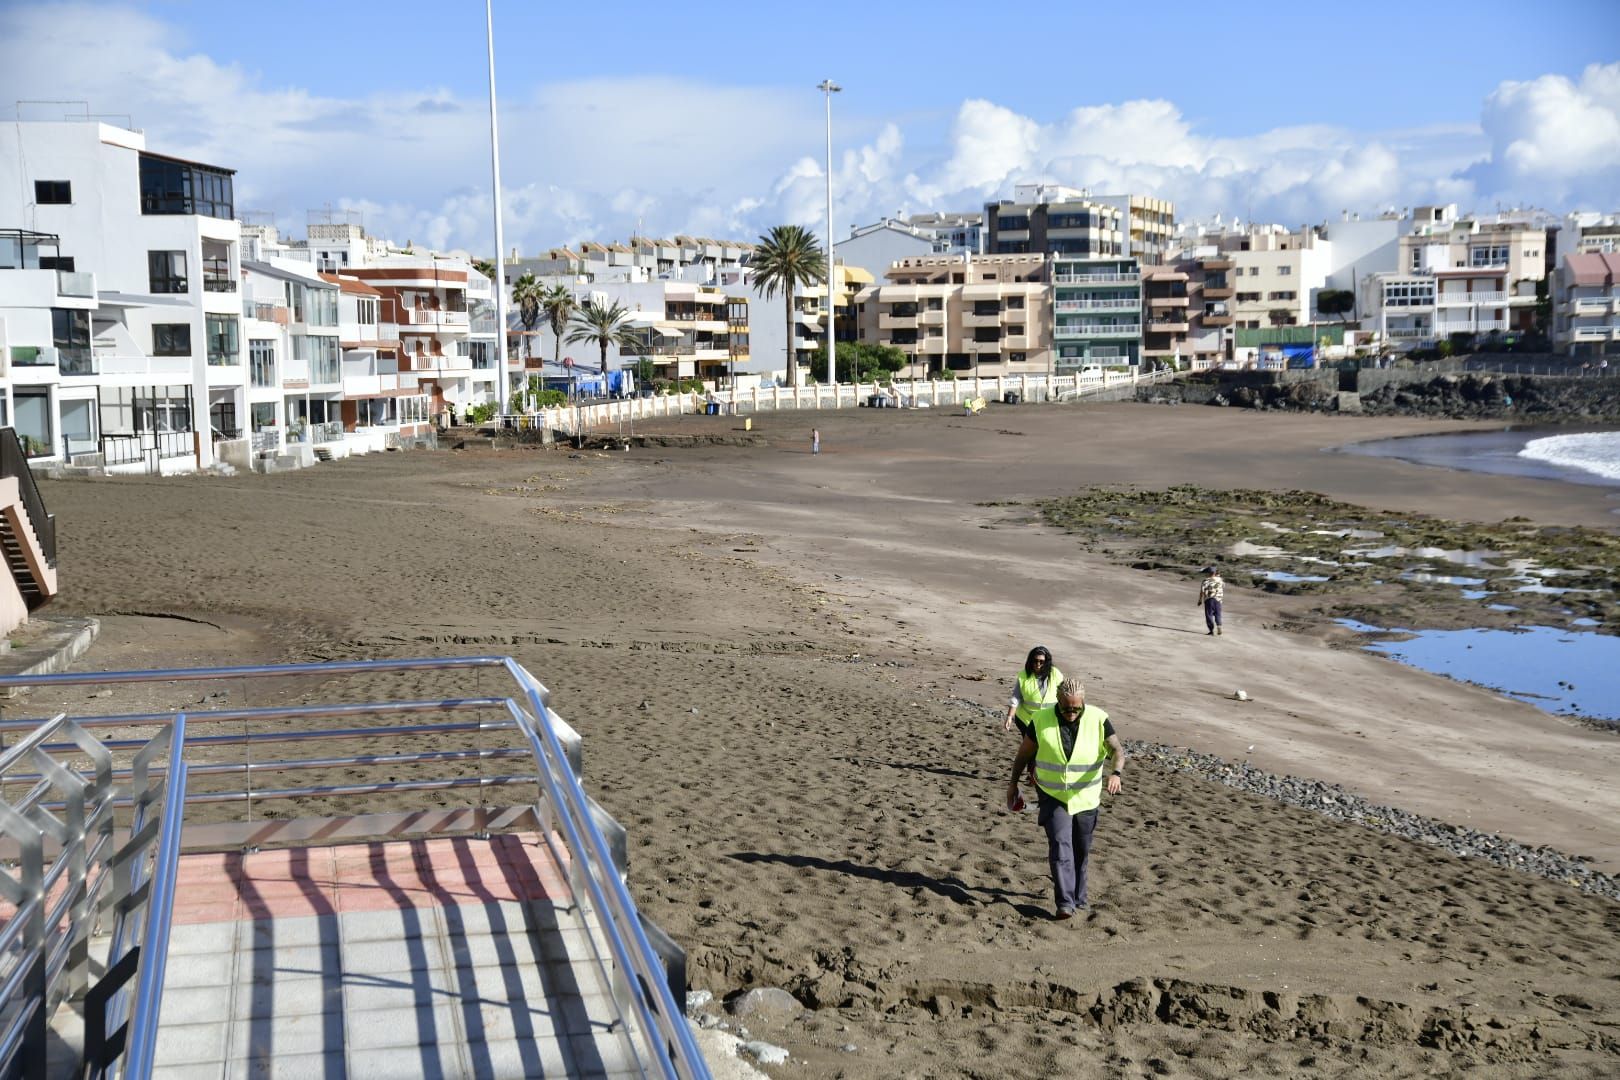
(1188, 317)
(1058, 220)
(1479, 274)
(1097, 312)
(1586, 299)
(156, 339)
(429, 297)
(986, 315)
(382, 404)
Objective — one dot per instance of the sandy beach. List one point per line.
(783, 666)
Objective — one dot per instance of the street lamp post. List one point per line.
(501, 377)
(828, 88)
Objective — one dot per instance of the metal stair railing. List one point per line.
(47, 939)
(14, 462)
(592, 843)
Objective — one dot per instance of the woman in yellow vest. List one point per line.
(1071, 746)
(1034, 692)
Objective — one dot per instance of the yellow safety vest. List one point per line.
(1075, 781)
(1032, 700)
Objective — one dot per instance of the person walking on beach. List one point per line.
(815, 440)
(1034, 691)
(1071, 746)
(1211, 591)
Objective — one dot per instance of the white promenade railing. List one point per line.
(906, 394)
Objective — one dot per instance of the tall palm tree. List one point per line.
(603, 326)
(485, 267)
(787, 259)
(527, 294)
(558, 305)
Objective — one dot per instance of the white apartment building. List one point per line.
(1586, 232)
(640, 259)
(1586, 298)
(1460, 276)
(144, 316)
(684, 329)
(768, 327)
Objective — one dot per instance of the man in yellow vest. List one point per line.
(1077, 755)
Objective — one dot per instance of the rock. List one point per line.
(766, 1002)
(1240, 695)
(764, 1052)
(697, 999)
(849, 1048)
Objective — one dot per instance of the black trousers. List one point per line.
(1068, 849)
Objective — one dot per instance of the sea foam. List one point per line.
(1596, 452)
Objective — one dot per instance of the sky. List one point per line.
(664, 118)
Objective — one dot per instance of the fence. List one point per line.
(934, 394)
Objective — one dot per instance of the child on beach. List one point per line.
(1211, 591)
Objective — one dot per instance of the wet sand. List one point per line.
(824, 819)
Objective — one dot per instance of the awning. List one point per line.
(118, 299)
(666, 331)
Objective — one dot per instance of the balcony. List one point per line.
(931, 318)
(1218, 291)
(1167, 325)
(81, 285)
(1219, 263)
(1112, 303)
(1097, 330)
(1173, 300)
(1477, 326)
(933, 346)
(1409, 333)
(897, 322)
(1593, 333)
(265, 311)
(1456, 299)
(1591, 305)
(1097, 279)
(972, 319)
(434, 317)
(76, 360)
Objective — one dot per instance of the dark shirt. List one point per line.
(1068, 732)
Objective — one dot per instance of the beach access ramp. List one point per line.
(382, 868)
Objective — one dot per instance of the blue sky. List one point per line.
(705, 118)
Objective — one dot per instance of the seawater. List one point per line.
(1558, 670)
(1596, 452)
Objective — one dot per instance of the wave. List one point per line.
(1597, 452)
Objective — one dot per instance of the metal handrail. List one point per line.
(637, 955)
(668, 1048)
(14, 462)
(154, 943)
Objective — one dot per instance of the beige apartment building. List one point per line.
(986, 315)
(1189, 314)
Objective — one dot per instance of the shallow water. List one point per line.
(1281, 575)
(1561, 671)
(1552, 455)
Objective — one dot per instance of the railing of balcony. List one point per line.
(76, 360)
(217, 276)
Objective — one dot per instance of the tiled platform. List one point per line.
(441, 958)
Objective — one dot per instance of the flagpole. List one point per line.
(500, 237)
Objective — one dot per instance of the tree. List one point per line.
(862, 361)
(1340, 302)
(603, 326)
(527, 294)
(787, 259)
(486, 267)
(558, 305)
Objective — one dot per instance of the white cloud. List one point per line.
(592, 158)
(1554, 135)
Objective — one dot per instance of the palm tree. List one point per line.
(787, 259)
(528, 294)
(485, 267)
(603, 326)
(558, 305)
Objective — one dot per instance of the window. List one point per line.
(1247, 297)
(1285, 294)
(262, 361)
(366, 311)
(171, 339)
(1284, 271)
(1015, 358)
(1015, 303)
(1013, 222)
(70, 333)
(180, 187)
(322, 306)
(166, 271)
(223, 348)
(295, 301)
(936, 303)
(1488, 255)
(1016, 330)
(56, 262)
(1068, 221)
(53, 192)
